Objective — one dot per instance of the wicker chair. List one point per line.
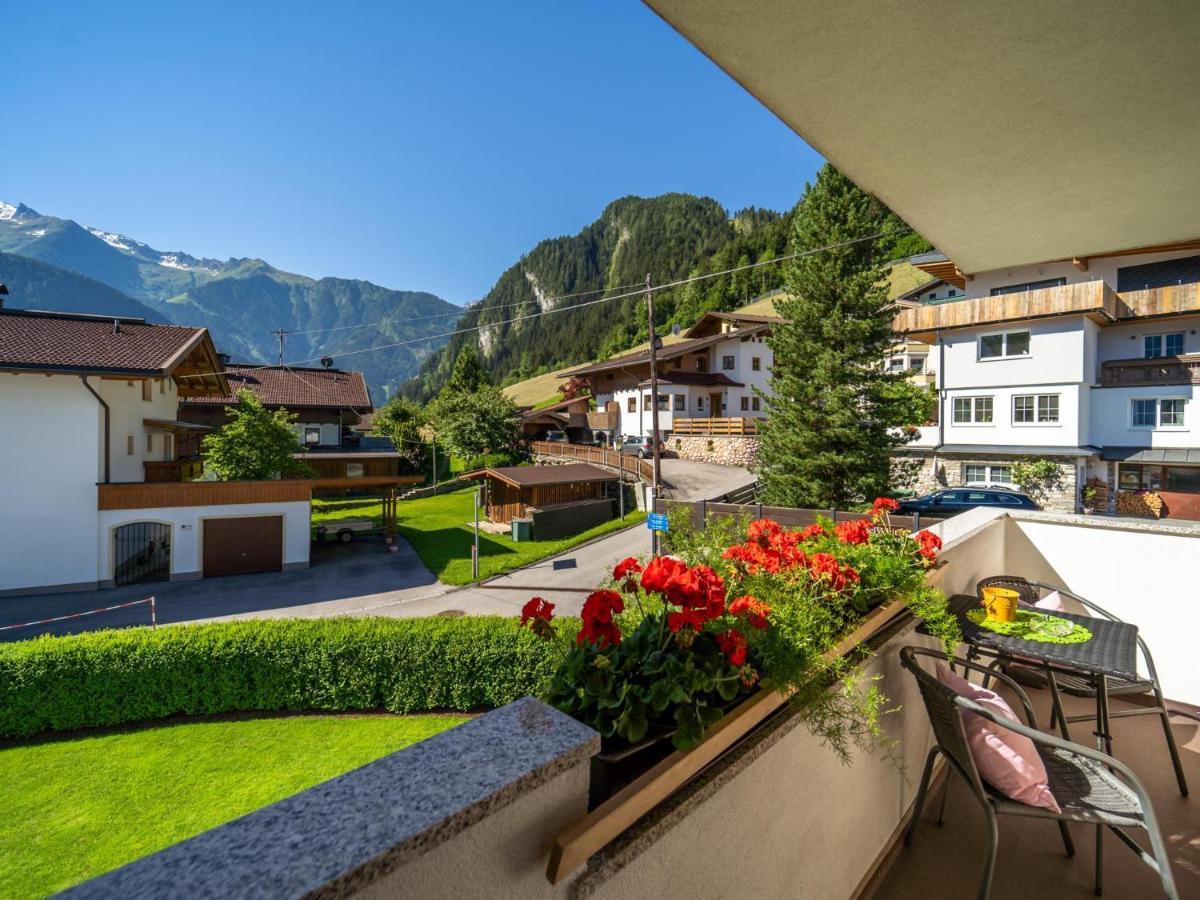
(1080, 686)
(1090, 786)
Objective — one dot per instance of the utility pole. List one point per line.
(653, 411)
(281, 334)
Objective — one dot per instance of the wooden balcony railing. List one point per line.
(142, 495)
(731, 426)
(1094, 299)
(1163, 370)
(176, 470)
(639, 468)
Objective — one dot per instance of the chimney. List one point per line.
(116, 326)
(3, 294)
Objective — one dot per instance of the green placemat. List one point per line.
(1034, 626)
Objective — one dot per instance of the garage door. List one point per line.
(243, 546)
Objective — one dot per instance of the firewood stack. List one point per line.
(1143, 504)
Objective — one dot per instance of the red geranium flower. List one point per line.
(928, 543)
(625, 569)
(825, 567)
(768, 549)
(813, 531)
(537, 608)
(686, 618)
(763, 532)
(733, 645)
(883, 506)
(857, 532)
(598, 625)
(752, 609)
(662, 572)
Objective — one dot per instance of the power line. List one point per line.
(637, 293)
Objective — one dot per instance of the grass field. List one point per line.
(440, 530)
(79, 807)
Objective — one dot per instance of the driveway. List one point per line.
(365, 579)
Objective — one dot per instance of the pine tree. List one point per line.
(468, 375)
(834, 415)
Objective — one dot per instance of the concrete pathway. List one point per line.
(365, 579)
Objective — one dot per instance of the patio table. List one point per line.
(1111, 652)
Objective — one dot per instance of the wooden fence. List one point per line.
(701, 510)
(724, 426)
(639, 468)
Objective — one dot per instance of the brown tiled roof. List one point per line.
(736, 317)
(695, 379)
(683, 348)
(64, 342)
(292, 386)
(527, 476)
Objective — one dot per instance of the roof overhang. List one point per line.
(174, 425)
(1034, 132)
(196, 368)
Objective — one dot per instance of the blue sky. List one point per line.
(420, 147)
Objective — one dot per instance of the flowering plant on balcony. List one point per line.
(670, 643)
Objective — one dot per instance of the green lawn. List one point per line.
(76, 808)
(439, 528)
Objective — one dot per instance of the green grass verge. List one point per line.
(76, 808)
(439, 528)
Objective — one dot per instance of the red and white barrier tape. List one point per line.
(90, 612)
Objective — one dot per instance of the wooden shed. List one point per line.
(511, 491)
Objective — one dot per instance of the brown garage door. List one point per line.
(243, 546)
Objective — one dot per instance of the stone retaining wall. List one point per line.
(724, 450)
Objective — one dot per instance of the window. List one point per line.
(702, 364)
(756, 363)
(1157, 413)
(1004, 344)
(1028, 286)
(631, 405)
(745, 404)
(932, 295)
(916, 364)
(312, 434)
(1184, 479)
(645, 403)
(663, 401)
(129, 445)
(952, 293)
(679, 400)
(972, 410)
(146, 389)
(354, 470)
(162, 385)
(726, 363)
(149, 442)
(896, 364)
(699, 403)
(1030, 409)
(985, 474)
(1156, 345)
(755, 404)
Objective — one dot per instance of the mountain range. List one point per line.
(53, 263)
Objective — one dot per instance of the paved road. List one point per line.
(364, 578)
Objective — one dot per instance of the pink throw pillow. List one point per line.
(1007, 761)
(1052, 602)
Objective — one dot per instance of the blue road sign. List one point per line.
(657, 521)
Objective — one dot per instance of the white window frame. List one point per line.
(989, 469)
(979, 357)
(1161, 337)
(1158, 423)
(1038, 422)
(974, 421)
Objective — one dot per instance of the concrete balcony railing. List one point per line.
(1163, 370)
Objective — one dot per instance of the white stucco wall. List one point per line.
(50, 431)
(1112, 417)
(127, 410)
(1126, 341)
(1056, 356)
(1069, 431)
(187, 532)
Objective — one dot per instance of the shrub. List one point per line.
(402, 665)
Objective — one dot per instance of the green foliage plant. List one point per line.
(255, 444)
(1037, 477)
(401, 421)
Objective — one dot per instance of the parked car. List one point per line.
(556, 437)
(950, 501)
(641, 447)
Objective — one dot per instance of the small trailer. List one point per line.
(344, 530)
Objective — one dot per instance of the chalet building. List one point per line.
(1090, 362)
(706, 380)
(94, 452)
(330, 406)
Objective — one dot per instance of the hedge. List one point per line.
(401, 665)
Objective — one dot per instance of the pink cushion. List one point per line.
(1052, 602)
(1007, 761)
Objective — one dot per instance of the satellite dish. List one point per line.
(327, 362)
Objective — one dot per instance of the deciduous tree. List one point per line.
(254, 444)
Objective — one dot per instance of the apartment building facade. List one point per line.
(1090, 363)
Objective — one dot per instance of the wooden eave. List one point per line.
(197, 370)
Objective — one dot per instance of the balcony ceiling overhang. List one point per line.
(1004, 133)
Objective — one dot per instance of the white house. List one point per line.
(713, 373)
(1089, 362)
(93, 453)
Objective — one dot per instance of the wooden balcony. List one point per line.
(174, 471)
(1094, 299)
(142, 495)
(1163, 370)
(726, 426)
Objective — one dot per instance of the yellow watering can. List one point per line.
(1000, 603)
